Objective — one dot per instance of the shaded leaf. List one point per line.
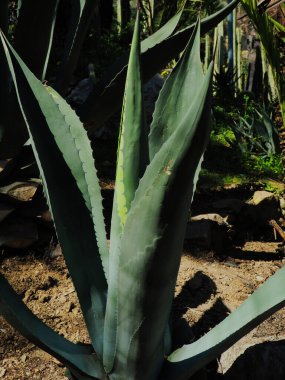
(106, 97)
(185, 361)
(81, 15)
(76, 235)
(159, 212)
(131, 163)
(79, 357)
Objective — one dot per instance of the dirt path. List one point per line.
(207, 290)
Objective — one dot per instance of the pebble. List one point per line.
(2, 372)
(260, 278)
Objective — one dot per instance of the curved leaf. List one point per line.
(172, 104)
(267, 299)
(82, 12)
(154, 232)
(131, 163)
(34, 33)
(75, 147)
(72, 218)
(106, 97)
(78, 357)
(33, 39)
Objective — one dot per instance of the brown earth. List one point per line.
(207, 290)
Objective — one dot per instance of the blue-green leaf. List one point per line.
(47, 127)
(106, 97)
(81, 14)
(78, 357)
(154, 232)
(267, 299)
(131, 163)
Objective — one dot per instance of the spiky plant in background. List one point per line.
(126, 292)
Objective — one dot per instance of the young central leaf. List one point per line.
(132, 152)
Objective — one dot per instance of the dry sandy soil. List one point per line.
(207, 290)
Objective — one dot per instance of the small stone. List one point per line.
(1, 350)
(62, 299)
(23, 358)
(260, 278)
(261, 196)
(2, 372)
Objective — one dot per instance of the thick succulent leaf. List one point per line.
(82, 12)
(161, 34)
(131, 163)
(4, 72)
(72, 218)
(153, 238)
(107, 95)
(133, 146)
(34, 33)
(172, 104)
(33, 38)
(78, 357)
(267, 299)
(75, 147)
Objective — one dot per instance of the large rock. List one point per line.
(18, 233)
(230, 205)
(266, 206)
(209, 231)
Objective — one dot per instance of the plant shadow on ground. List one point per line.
(195, 292)
(238, 253)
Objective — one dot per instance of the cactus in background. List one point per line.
(265, 28)
(239, 59)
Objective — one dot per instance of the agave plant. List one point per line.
(126, 291)
(33, 40)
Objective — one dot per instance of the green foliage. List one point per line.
(121, 295)
(270, 166)
(265, 29)
(126, 290)
(34, 39)
(245, 137)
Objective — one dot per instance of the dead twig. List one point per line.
(277, 228)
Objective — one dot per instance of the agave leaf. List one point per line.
(34, 33)
(153, 235)
(4, 72)
(162, 33)
(164, 119)
(75, 147)
(73, 221)
(106, 97)
(133, 146)
(267, 299)
(82, 12)
(33, 39)
(131, 163)
(79, 357)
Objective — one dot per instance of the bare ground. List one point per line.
(207, 290)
